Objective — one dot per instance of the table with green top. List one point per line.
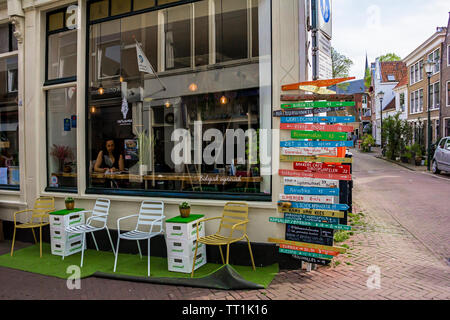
(63, 243)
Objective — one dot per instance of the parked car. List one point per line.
(441, 160)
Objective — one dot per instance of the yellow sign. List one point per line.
(317, 90)
(309, 212)
(307, 245)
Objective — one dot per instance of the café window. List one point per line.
(9, 124)
(62, 45)
(8, 42)
(197, 122)
(61, 138)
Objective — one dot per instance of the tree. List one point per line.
(398, 134)
(341, 64)
(390, 57)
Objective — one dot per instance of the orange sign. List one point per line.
(317, 83)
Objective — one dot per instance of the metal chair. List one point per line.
(99, 214)
(150, 214)
(234, 217)
(42, 207)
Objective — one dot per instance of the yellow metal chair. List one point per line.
(234, 218)
(39, 218)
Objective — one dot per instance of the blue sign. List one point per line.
(74, 121)
(317, 119)
(314, 191)
(325, 9)
(66, 124)
(320, 206)
(315, 144)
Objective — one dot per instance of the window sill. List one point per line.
(9, 189)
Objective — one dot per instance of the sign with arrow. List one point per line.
(318, 104)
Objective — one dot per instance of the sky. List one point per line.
(382, 26)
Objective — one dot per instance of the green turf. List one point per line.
(28, 259)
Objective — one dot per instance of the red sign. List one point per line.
(318, 83)
(321, 167)
(315, 175)
(316, 127)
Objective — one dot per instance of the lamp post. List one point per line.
(429, 66)
(381, 96)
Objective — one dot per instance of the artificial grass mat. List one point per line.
(129, 267)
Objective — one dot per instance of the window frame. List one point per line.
(215, 65)
(437, 65)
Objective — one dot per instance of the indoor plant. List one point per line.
(61, 153)
(70, 203)
(185, 209)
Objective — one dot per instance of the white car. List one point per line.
(441, 160)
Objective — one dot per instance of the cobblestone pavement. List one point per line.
(405, 235)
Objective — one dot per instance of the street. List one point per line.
(405, 239)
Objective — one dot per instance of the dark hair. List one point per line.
(116, 151)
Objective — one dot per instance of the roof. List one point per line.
(403, 82)
(351, 87)
(393, 71)
(390, 106)
(439, 34)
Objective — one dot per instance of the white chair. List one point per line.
(151, 214)
(99, 214)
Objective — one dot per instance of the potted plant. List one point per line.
(70, 203)
(61, 153)
(417, 150)
(185, 209)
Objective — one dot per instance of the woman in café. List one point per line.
(109, 160)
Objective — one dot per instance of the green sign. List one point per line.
(318, 104)
(335, 136)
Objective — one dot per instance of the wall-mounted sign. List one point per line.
(318, 104)
(314, 159)
(316, 127)
(308, 198)
(322, 167)
(305, 112)
(321, 135)
(73, 121)
(317, 120)
(320, 213)
(315, 175)
(315, 191)
(310, 182)
(332, 152)
(67, 124)
(324, 16)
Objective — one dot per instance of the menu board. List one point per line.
(310, 202)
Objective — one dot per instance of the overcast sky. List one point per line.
(381, 26)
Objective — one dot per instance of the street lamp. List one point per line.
(381, 96)
(429, 67)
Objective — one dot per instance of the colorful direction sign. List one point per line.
(305, 254)
(316, 127)
(311, 235)
(318, 104)
(308, 245)
(319, 213)
(318, 206)
(305, 112)
(323, 135)
(332, 152)
(310, 224)
(314, 175)
(315, 144)
(317, 83)
(317, 90)
(308, 198)
(322, 262)
(310, 182)
(311, 250)
(322, 167)
(316, 191)
(307, 218)
(317, 119)
(315, 159)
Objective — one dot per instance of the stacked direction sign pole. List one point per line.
(316, 194)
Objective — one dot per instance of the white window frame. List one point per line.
(438, 63)
(446, 93)
(416, 75)
(434, 99)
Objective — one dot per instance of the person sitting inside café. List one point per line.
(109, 160)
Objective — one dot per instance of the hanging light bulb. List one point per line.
(92, 109)
(223, 100)
(167, 104)
(121, 79)
(193, 87)
(100, 90)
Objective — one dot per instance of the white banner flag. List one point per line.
(143, 63)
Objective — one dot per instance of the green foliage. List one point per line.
(367, 142)
(341, 236)
(368, 79)
(416, 149)
(69, 200)
(389, 57)
(185, 205)
(398, 134)
(341, 64)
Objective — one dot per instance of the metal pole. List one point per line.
(381, 125)
(429, 125)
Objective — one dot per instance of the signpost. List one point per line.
(317, 120)
(315, 144)
(307, 198)
(314, 175)
(316, 127)
(310, 182)
(339, 136)
(319, 213)
(321, 191)
(318, 104)
(321, 167)
(305, 112)
(332, 152)
(314, 159)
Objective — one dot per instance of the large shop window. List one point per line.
(197, 124)
(9, 124)
(62, 138)
(62, 45)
